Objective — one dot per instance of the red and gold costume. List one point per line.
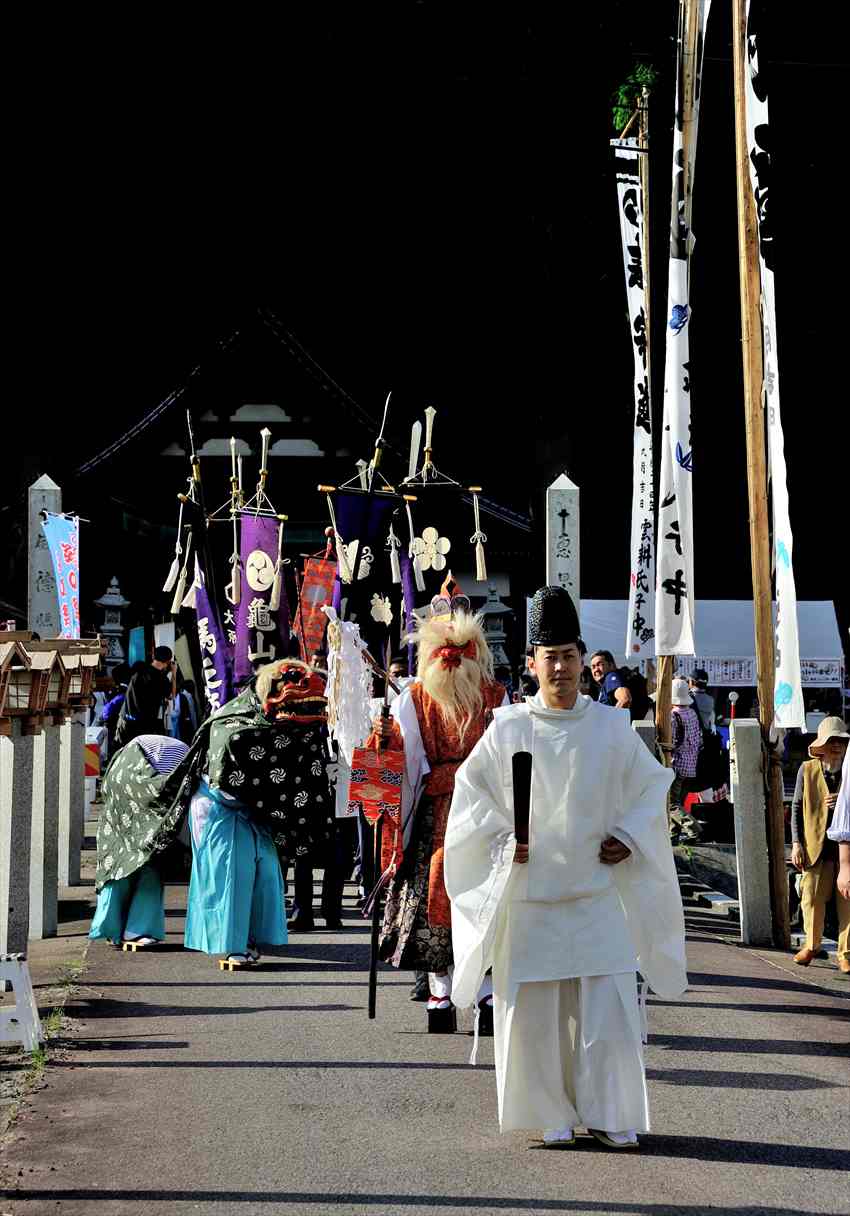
(438, 729)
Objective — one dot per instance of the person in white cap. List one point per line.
(687, 741)
(814, 847)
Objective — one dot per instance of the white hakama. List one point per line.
(569, 1054)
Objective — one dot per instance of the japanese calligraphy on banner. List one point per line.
(216, 652)
(562, 537)
(260, 632)
(741, 672)
(640, 630)
(63, 540)
(788, 695)
(674, 596)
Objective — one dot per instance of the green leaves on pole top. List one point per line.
(625, 98)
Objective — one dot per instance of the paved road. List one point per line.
(185, 1090)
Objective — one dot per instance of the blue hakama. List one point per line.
(236, 888)
(130, 907)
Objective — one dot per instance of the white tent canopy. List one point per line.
(725, 640)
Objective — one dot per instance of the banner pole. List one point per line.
(751, 346)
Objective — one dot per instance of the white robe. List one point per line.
(564, 915)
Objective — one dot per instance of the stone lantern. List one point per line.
(113, 605)
(494, 613)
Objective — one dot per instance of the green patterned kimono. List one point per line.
(277, 769)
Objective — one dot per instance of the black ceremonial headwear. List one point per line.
(554, 620)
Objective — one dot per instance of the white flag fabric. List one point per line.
(640, 629)
(788, 696)
(674, 597)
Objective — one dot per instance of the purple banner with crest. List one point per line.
(262, 633)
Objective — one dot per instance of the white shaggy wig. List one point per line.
(454, 663)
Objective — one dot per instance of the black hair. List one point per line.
(603, 654)
(162, 654)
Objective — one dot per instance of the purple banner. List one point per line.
(261, 633)
(216, 653)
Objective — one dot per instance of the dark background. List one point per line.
(423, 195)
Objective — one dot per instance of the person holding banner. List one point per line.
(566, 916)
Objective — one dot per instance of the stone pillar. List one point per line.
(71, 799)
(646, 732)
(562, 537)
(44, 837)
(42, 600)
(17, 756)
(747, 792)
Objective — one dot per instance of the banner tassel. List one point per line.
(180, 590)
(394, 545)
(233, 590)
(174, 573)
(277, 585)
(191, 600)
(417, 565)
(345, 572)
(479, 539)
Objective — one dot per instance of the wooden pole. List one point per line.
(751, 347)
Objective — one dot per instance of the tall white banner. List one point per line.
(674, 596)
(640, 630)
(788, 695)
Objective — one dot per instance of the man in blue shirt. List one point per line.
(612, 688)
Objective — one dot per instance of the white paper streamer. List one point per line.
(640, 627)
(674, 593)
(349, 686)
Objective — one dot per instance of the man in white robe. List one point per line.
(566, 920)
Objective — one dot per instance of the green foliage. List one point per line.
(625, 98)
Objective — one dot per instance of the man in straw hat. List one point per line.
(566, 919)
(814, 848)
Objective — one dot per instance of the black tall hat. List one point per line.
(554, 620)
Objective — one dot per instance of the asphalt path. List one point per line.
(182, 1089)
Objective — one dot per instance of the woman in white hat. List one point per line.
(687, 741)
(812, 851)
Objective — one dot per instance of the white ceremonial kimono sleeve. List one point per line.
(647, 881)
(416, 766)
(839, 829)
(478, 857)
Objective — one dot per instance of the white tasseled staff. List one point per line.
(394, 545)
(173, 574)
(180, 589)
(417, 565)
(479, 539)
(277, 585)
(345, 572)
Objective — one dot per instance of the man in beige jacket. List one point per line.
(815, 796)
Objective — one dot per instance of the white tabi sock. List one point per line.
(440, 985)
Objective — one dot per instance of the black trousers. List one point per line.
(338, 864)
